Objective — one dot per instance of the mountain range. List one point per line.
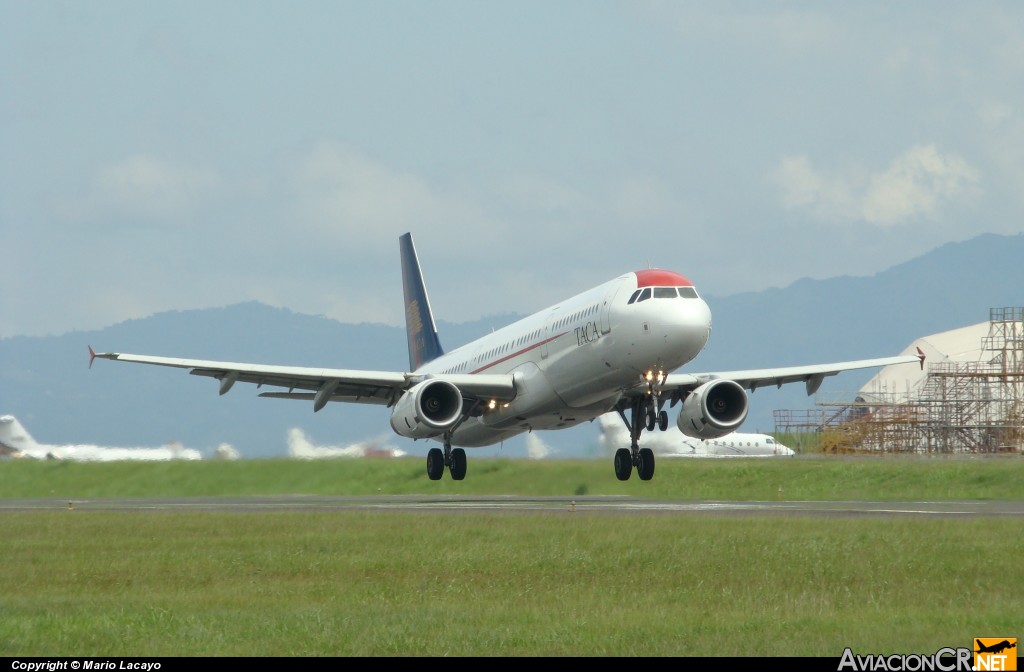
(46, 382)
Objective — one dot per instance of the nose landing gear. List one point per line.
(645, 411)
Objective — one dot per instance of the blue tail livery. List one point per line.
(424, 345)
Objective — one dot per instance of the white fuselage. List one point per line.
(673, 443)
(572, 361)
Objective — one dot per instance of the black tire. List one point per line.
(623, 464)
(663, 421)
(652, 420)
(458, 464)
(435, 464)
(645, 469)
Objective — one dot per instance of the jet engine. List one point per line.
(427, 409)
(714, 409)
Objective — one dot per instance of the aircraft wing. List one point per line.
(811, 375)
(323, 385)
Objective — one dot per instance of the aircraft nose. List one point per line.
(687, 326)
(692, 318)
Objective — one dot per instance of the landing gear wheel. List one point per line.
(652, 419)
(663, 420)
(458, 464)
(435, 464)
(623, 464)
(645, 468)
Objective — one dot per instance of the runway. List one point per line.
(607, 505)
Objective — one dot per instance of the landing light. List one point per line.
(492, 404)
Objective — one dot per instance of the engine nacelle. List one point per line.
(427, 409)
(714, 409)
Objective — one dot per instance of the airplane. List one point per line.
(674, 443)
(15, 441)
(302, 448)
(612, 348)
(998, 647)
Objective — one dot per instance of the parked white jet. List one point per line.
(299, 446)
(15, 441)
(673, 443)
(610, 348)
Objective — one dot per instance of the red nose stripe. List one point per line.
(654, 277)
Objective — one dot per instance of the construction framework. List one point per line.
(958, 407)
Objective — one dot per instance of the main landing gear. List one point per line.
(453, 459)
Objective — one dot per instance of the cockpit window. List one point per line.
(662, 293)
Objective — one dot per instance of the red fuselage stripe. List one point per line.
(516, 354)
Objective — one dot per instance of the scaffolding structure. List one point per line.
(959, 407)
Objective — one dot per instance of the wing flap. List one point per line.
(323, 385)
(378, 387)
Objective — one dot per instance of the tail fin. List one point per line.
(420, 328)
(13, 436)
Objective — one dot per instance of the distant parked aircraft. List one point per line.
(301, 447)
(673, 443)
(535, 448)
(15, 441)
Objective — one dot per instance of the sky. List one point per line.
(163, 156)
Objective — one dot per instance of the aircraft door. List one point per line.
(606, 307)
(546, 333)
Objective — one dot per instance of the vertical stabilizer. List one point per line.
(420, 329)
(13, 436)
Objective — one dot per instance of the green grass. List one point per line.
(86, 582)
(798, 479)
(407, 584)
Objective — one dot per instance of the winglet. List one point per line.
(92, 356)
(420, 328)
(920, 356)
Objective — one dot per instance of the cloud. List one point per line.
(350, 198)
(140, 188)
(1004, 143)
(796, 32)
(916, 184)
(150, 187)
(805, 188)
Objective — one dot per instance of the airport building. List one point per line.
(969, 398)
